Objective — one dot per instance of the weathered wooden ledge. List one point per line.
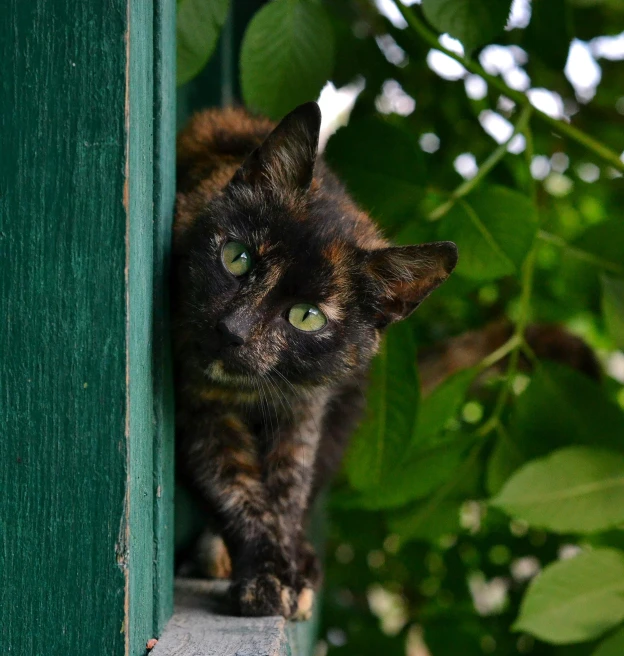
(199, 627)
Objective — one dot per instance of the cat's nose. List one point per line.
(228, 334)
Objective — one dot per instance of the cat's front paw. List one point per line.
(309, 565)
(265, 595)
(305, 604)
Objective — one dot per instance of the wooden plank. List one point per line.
(62, 293)
(77, 509)
(200, 626)
(164, 197)
(138, 202)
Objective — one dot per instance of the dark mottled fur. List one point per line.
(262, 425)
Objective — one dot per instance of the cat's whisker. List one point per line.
(265, 406)
(273, 389)
(268, 408)
(284, 401)
(360, 388)
(290, 385)
(260, 401)
(277, 417)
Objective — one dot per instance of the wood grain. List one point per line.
(63, 335)
(76, 287)
(138, 202)
(164, 197)
(200, 626)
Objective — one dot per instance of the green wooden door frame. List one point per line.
(164, 197)
(86, 195)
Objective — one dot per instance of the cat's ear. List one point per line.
(286, 158)
(406, 275)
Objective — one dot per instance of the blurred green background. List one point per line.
(484, 516)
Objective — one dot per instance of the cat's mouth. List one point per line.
(222, 372)
(224, 364)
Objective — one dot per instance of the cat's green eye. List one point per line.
(306, 317)
(236, 258)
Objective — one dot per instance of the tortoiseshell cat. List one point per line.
(282, 290)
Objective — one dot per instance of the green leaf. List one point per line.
(431, 518)
(611, 646)
(573, 490)
(387, 463)
(452, 634)
(382, 167)
(613, 308)
(575, 600)
(596, 251)
(415, 232)
(442, 404)
(603, 244)
(549, 33)
(505, 458)
(418, 522)
(473, 22)
(287, 56)
(354, 55)
(494, 229)
(562, 407)
(198, 24)
(393, 398)
(415, 474)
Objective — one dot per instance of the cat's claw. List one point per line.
(265, 595)
(305, 604)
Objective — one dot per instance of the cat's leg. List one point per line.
(212, 556)
(289, 472)
(309, 578)
(309, 564)
(223, 459)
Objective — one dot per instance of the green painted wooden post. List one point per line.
(86, 190)
(164, 196)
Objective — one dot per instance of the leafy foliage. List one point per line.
(575, 600)
(198, 24)
(611, 646)
(394, 393)
(548, 35)
(494, 230)
(441, 406)
(388, 183)
(562, 491)
(287, 56)
(613, 308)
(473, 22)
(452, 500)
(561, 407)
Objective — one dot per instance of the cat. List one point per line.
(282, 289)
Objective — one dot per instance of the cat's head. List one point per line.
(280, 276)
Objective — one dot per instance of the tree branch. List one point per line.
(579, 253)
(599, 149)
(495, 157)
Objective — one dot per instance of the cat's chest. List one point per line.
(291, 421)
